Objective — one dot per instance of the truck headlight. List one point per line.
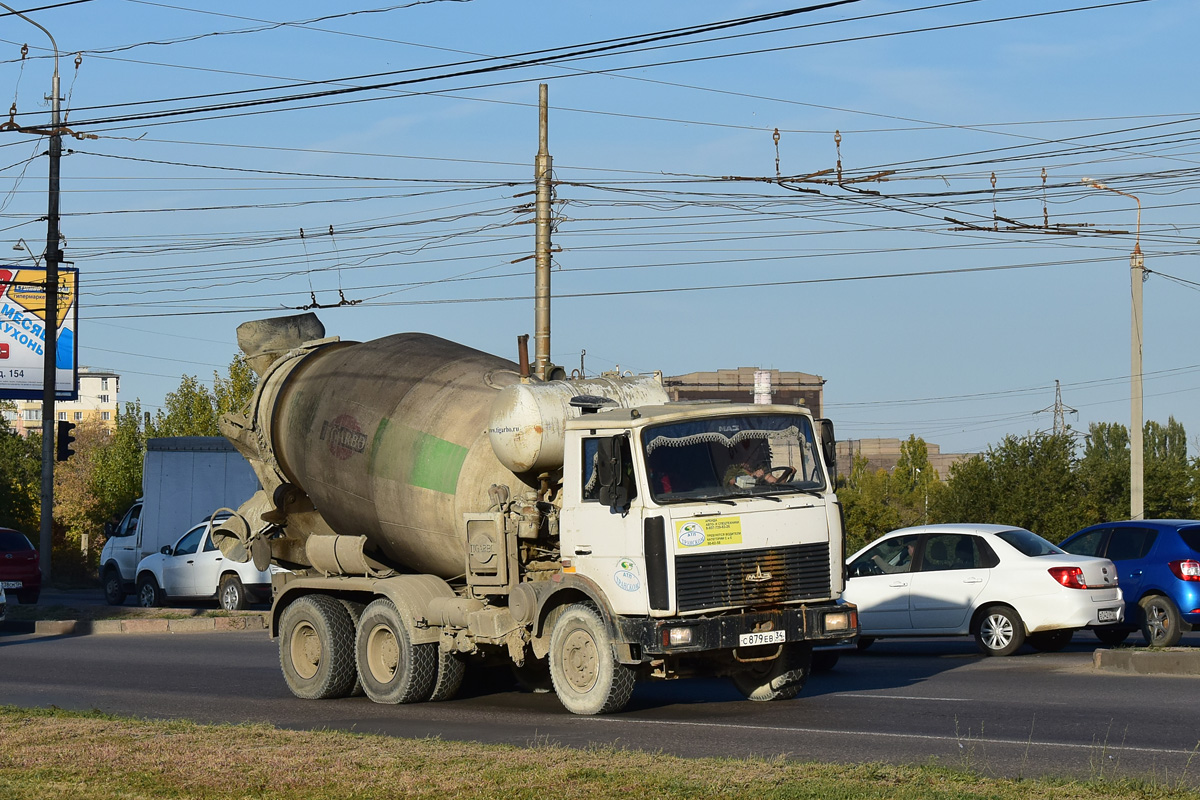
(841, 621)
(674, 637)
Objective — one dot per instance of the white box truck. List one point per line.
(184, 480)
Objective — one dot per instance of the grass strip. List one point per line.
(48, 754)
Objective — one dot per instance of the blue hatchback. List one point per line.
(1158, 566)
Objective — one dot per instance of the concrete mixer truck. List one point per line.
(437, 506)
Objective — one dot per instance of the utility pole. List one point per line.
(1137, 276)
(53, 257)
(543, 167)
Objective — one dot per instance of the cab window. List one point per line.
(128, 526)
(589, 476)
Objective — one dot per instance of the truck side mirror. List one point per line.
(828, 446)
(108, 529)
(616, 477)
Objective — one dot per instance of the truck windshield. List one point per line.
(729, 457)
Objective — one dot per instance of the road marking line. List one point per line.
(919, 736)
(902, 697)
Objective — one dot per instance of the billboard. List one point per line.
(23, 333)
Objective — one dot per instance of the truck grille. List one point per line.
(752, 577)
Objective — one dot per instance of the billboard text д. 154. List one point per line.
(23, 333)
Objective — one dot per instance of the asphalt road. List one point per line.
(901, 701)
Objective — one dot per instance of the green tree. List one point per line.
(1169, 474)
(190, 410)
(1025, 481)
(914, 484)
(864, 499)
(20, 480)
(117, 480)
(76, 505)
(233, 392)
(1104, 473)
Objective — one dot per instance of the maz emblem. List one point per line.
(758, 576)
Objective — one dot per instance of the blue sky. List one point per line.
(679, 249)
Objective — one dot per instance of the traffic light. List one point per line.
(66, 437)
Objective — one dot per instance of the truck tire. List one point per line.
(451, 669)
(779, 679)
(587, 676)
(392, 669)
(316, 648)
(354, 609)
(114, 590)
(231, 594)
(148, 593)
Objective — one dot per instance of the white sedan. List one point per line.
(194, 568)
(1003, 585)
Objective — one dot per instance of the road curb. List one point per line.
(1168, 661)
(256, 621)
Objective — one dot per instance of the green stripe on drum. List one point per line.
(436, 464)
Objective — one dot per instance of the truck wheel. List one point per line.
(451, 669)
(391, 668)
(316, 648)
(114, 591)
(148, 593)
(587, 677)
(231, 593)
(354, 609)
(779, 679)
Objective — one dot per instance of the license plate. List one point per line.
(1108, 615)
(10, 584)
(761, 637)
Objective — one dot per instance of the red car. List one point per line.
(20, 570)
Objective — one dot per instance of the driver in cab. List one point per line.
(749, 468)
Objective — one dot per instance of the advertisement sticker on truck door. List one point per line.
(626, 576)
(706, 532)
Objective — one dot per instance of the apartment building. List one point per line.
(98, 389)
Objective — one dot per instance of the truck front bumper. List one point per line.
(816, 624)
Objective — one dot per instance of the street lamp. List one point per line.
(1137, 275)
(23, 246)
(53, 256)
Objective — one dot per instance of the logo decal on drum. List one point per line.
(344, 436)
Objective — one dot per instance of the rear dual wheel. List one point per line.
(316, 648)
(391, 668)
(781, 678)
